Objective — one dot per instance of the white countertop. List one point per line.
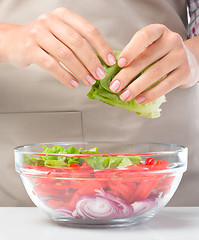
(32, 224)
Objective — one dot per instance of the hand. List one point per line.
(175, 64)
(58, 36)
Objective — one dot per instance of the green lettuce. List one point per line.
(101, 91)
(107, 162)
(127, 161)
(96, 161)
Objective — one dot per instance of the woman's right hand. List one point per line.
(60, 36)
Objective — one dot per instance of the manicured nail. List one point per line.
(115, 85)
(90, 80)
(111, 59)
(100, 73)
(74, 83)
(122, 62)
(140, 99)
(125, 95)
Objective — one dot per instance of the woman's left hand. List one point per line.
(173, 61)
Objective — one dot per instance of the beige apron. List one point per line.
(34, 107)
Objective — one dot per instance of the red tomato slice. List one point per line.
(87, 188)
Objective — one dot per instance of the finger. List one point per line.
(89, 32)
(78, 45)
(146, 58)
(168, 84)
(140, 41)
(47, 62)
(64, 55)
(151, 76)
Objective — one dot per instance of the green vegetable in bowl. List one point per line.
(107, 162)
(52, 158)
(101, 91)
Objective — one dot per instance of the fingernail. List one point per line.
(115, 85)
(100, 73)
(125, 95)
(140, 99)
(122, 62)
(74, 83)
(111, 59)
(90, 80)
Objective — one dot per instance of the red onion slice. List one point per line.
(126, 210)
(64, 212)
(143, 206)
(102, 206)
(92, 207)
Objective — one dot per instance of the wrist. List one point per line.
(5, 29)
(192, 45)
(193, 56)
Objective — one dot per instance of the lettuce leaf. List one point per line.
(55, 163)
(90, 151)
(95, 161)
(100, 91)
(107, 162)
(127, 161)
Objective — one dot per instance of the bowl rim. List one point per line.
(180, 166)
(181, 148)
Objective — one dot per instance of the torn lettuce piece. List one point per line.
(107, 162)
(100, 91)
(90, 151)
(127, 161)
(101, 162)
(95, 161)
(55, 163)
(110, 71)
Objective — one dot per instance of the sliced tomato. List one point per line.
(75, 165)
(161, 164)
(149, 161)
(54, 203)
(41, 190)
(130, 184)
(122, 189)
(87, 188)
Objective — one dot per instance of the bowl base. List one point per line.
(91, 223)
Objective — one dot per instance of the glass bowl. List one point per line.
(124, 183)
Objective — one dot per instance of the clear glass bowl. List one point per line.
(111, 197)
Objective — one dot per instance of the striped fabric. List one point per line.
(194, 18)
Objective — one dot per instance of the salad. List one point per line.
(101, 91)
(97, 186)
